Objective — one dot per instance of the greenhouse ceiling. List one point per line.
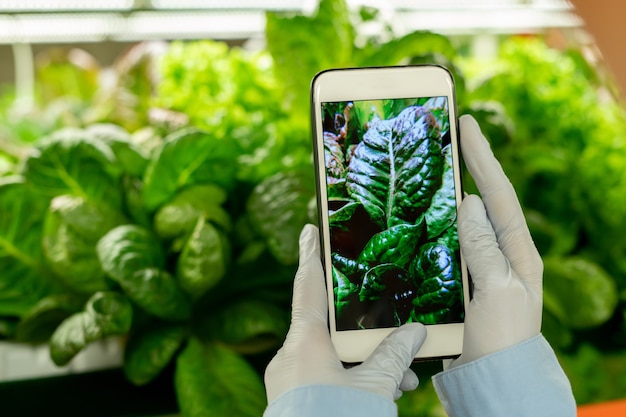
(58, 21)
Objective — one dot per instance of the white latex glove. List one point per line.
(502, 259)
(308, 356)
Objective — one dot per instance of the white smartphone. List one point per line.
(389, 185)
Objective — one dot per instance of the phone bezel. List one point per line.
(374, 83)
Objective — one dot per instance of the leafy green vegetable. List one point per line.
(397, 168)
(595, 376)
(129, 248)
(332, 46)
(133, 258)
(132, 158)
(233, 94)
(106, 314)
(343, 213)
(384, 280)
(210, 379)
(578, 292)
(338, 42)
(38, 324)
(73, 226)
(67, 72)
(442, 212)
(189, 157)
(204, 259)
(344, 290)
(348, 266)
(394, 245)
(334, 160)
(129, 100)
(399, 199)
(179, 216)
(24, 278)
(150, 350)
(278, 210)
(440, 288)
(69, 162)
(248, 326)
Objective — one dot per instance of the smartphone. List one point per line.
(388, 188)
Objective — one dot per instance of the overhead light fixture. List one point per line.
(137, 26)
(75, 21)
(287, 5)
(23, 6)
(191, 25)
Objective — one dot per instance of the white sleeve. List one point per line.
(523, 380)
(330, 401)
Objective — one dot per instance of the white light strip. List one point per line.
(509, 21)
(244, 24)
(71, 27)
(457, 5)
(16, 6)
(213, 25)
(287, 5)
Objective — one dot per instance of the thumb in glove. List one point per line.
(308, 356)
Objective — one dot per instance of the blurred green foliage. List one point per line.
(560, 137)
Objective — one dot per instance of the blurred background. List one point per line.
(156, 170)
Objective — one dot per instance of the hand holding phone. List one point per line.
(388, 180)
(505, 265)
(308, 357)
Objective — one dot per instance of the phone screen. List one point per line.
(392, 212)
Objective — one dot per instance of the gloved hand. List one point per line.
(308, 356)
(502, 259)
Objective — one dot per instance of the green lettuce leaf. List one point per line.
(578, 291)
(38, 325)
(395, 245)
(212, 380)
(150, 350)
(180, 215)
(133, 257)
(189, 157)
(24, 278)
(133, 159)
(442, 211)
(247, 326)
(399, 50)
(73, 226)
(69, 162)
(106, 314)
(278, 209)
(397, 168)
(204, 259)
(345, 291)
(299, 56)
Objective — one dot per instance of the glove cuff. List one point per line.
(330, 400)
